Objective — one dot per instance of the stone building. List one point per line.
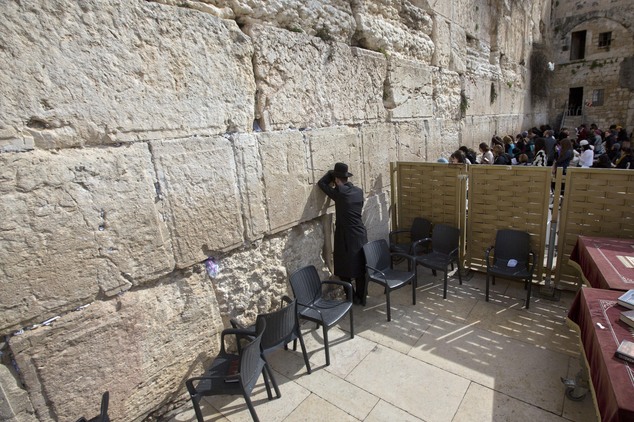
(593, 49)
(139, 138)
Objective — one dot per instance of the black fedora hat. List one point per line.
(341, 170)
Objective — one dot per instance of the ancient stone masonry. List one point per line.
(593, 46)
(140, 138)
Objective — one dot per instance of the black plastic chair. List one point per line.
(233, 374)
(513, 258)
(313, 306)
(379, 267)
(282, 328)
(445, 251)
(421, 229)
(103, 414)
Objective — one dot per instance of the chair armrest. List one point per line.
(238, 332)
(235, 324)
(410, 258)
(395, 233)
(345, 284)
(314, 308)
(369, 267)
(532, 267)
(418, 243)
(286, 299)
(190, 382)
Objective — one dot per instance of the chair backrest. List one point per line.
(512, 244)
(251, 361)
(377, 254)
(280, 326)
(421, 229)
(306, 284)
(445, 238)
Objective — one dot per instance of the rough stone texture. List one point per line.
(409, 90)
(412, 139)
(395, 26)
(15, 405)
(336, 144)
(305, 82)
(140, 346)
(76, 224)
(327, 18)
(379, 149)
(198, 178)
(292, 195)
(376, 216)
(254, 279)
(115, 71)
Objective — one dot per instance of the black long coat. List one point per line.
(350, 233)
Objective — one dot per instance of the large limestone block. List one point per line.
(412, 140)
(327, 18)
(254, 279)
(139, 346)
(379, 149)
(446, 94)
(113, 71)
(336, 144)
(291, 195)
(198, 178)
(445, 138)
(409, 88)
(76, 224)
(252, 185)
(15, 405)
(304, 82)
(395, 27)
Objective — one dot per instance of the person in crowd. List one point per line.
(350, 233)
(586, 158)
(501, 158)
(509, 146)
(614, 151)
(469, 154)
(582, 132)
(522, 160)
(541, 159)
(598, 143)
(624, 161)
(487, 155)
(603, 162)
(550, 142)
(458, 157)
(565, 155)
(442, 160)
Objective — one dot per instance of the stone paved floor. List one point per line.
(459, 359)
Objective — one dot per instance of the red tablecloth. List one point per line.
(605, 262)
(596, 313)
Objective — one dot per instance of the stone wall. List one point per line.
(140, 138)
(607, 68)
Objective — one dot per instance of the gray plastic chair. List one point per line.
(511, 245)
(219, 379)
(282, 327)
(445, 251)
(421, 229)
(379, 267)
(313, 306)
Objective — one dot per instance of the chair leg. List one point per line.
(487, 288)
(195, 401)
(528, 292)
(303, 346)
(270, 373)
(444, 292)
(266, 383)
(414, 291)
(387, 299)
(326, 346)
(351, 324)
(251, 408)
(459, 273)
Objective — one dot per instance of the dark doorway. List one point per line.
(578, 45)
(575, 101)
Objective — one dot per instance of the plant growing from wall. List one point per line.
(493, 94)
(540, 73)
(464, 104)
(324, 33)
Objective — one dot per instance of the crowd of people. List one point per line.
(580, 147)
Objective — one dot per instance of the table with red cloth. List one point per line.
(605, 262)
(596, 314)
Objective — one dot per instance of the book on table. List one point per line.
(625, 351)
(627, 299)
(628, 317)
